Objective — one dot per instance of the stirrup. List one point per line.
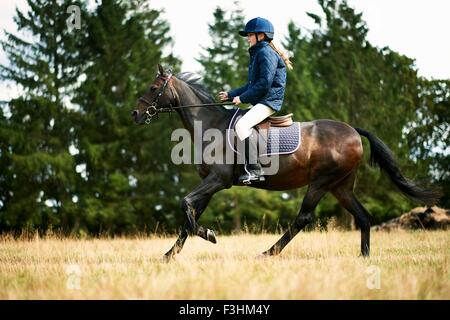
(249, 180)
(251, 176)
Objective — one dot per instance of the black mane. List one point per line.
(194, 81)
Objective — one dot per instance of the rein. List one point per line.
(152, 110)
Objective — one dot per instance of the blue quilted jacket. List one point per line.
(266, 78)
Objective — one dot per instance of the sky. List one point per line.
(418, 29)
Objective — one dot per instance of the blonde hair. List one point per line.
(282, 54)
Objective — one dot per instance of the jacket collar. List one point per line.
(258, 46)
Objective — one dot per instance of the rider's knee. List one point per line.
(242, 130)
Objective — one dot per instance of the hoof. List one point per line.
(168, 258)
(211, 236)
(262, 256)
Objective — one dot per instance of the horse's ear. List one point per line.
(161, 70)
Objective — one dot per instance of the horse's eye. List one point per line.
(153, 88)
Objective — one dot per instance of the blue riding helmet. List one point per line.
(258, 25)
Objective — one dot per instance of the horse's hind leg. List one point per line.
(344, 194)
(304, 217)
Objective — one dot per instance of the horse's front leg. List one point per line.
(193, 205)
(179, 243)
(193, 210)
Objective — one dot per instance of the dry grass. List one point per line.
(316, 265)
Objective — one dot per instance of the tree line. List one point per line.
(72, 159)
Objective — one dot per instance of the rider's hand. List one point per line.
(223, 95)
(237, 100)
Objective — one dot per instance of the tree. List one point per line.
(428, 135)
(122, 163)
(38, 175)
(74, 158)
(225, 61)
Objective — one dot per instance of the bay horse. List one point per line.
(327, 161)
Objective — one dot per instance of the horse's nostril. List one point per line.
(135, 113)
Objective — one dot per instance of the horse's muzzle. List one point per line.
(136, 117)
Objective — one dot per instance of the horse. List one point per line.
(327, 161)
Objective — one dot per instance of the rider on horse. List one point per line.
(264, 89)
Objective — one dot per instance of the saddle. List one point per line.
(281, 134)
(279, 121)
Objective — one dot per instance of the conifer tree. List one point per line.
(38, 174)
(125, 167)
(73, 157)
(225, 61)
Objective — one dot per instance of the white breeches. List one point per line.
(255, 115)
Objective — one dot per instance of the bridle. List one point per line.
(152, 110)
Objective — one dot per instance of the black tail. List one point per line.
(381, 156)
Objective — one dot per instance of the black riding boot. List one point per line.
(252, 169)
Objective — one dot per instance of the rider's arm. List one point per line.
(268, 67)
(237, 92)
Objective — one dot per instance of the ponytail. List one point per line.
(282, 54)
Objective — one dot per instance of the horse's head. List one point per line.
(160, 95)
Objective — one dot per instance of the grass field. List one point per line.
(315, 265)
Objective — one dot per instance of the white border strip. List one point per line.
(288, 152)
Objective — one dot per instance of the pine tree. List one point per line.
(226, 60)
(85, 165)
(125, 167)
(303, 88)
(38, 176)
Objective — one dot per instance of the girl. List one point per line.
(264, 89)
